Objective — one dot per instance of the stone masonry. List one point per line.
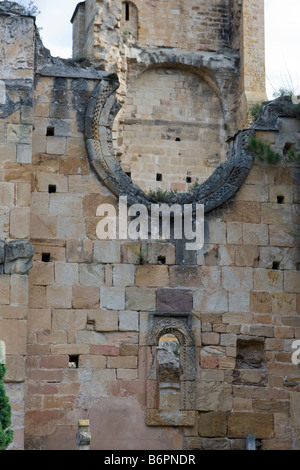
(85, 321)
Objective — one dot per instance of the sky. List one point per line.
(282, 37)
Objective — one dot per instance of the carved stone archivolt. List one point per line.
(160, 325)
(215, 191)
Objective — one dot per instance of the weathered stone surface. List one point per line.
(18, 257)
(260, 424)
(174, 300)
(213, 396)
(212, 424)
(165, 418)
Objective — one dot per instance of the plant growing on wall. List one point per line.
(6, 435)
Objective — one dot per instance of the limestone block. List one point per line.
(122, 362)
(123, 275)
(39, 319)
(130, 252)
(216, 232)
(7, 194)
(237, 278)
(106, 251)
(112, 298)
(43, 180)
(19, 133)
(8, 152)
(16, 369)
(261, 302)
(19, 289)
(40, 203)
(292, 281)
(169, 418)
(281, 235)
(240, 424)
(13, 333)
(284, 303)
(66, 273)
(128, 321)
(268, 280)
(187, 276)
(24, 153)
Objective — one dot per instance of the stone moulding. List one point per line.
(215, 191)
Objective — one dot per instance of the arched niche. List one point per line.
(171, 387)
(171, 130)
(129, 19)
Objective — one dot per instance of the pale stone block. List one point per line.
(211, 276)
(292, 281)
(112, 298)
(213, 396)
(40, 203)
(43, 180)
(14, 333)
(234, 233)
(152, 275)
(284, 256)
(59, 296)
(247, 255)
(67, 319)
(237, 278)
(66, 273)
(43, 226)
(4, 222)
(19, 289)
(69, 205)
(56, 145)
(126, 374)
(7, 194)
(70, 227)
(4, 289)
(123, 275)
(239, 301)
(39, 319)
(42, 274)
(281, 190)
(140, 298)
(281, 235)
(106, 251)
(210, 301)
(269, 280)
(24, 153)
(276, 213)
(19, 133)
(284, 303)
(216, 232)
(128, 321)
(23, 194)
(255, 234)
(85, 296)
(91, 274)
(105, 320)
(19, 222)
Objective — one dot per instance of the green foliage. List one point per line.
(160, 195)
(31, 9)
(6, 435)
(263, 152)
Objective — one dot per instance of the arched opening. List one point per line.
(168, 373)
(171, 132)
(129, 19)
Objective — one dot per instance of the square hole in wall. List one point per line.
(52, 188)
(46, 257)
(128, 173)
(250, 353)
(161, 260)
(50, 131)
(73, 362)
(158, 177)
(188, 179)
(280, 199)
(275, 265)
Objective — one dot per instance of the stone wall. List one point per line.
(89, 315)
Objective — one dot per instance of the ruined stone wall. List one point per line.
(89, 315)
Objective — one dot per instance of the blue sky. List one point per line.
(282, 37)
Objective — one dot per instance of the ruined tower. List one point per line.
(188, 72)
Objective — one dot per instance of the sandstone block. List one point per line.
(261, 302)
(65, 204)
(70, 227)
(4, 289)
(276, 214)
(42, 226)
(43, 180)
(241, 424)
(85, 297)
(239, 302)
(246, 255)
(68, 319)
(106, 251)
(268, 280)
(212, 424)
(128, 321)
(19, 289)
(140, 298)
(123, 275)
(234, 233)
(42, 274)
(79, 252)
(292, 281)
(174, 300)
(122, 362)
(19, 222)
(112, 298)
(210, 301)
(152, 275)
(105, 320)
(91, 274)
(130, 252)
(237, 278)
(213, 396)
(59, 296)
(255, 234)
(66, 273)
(158, 251)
